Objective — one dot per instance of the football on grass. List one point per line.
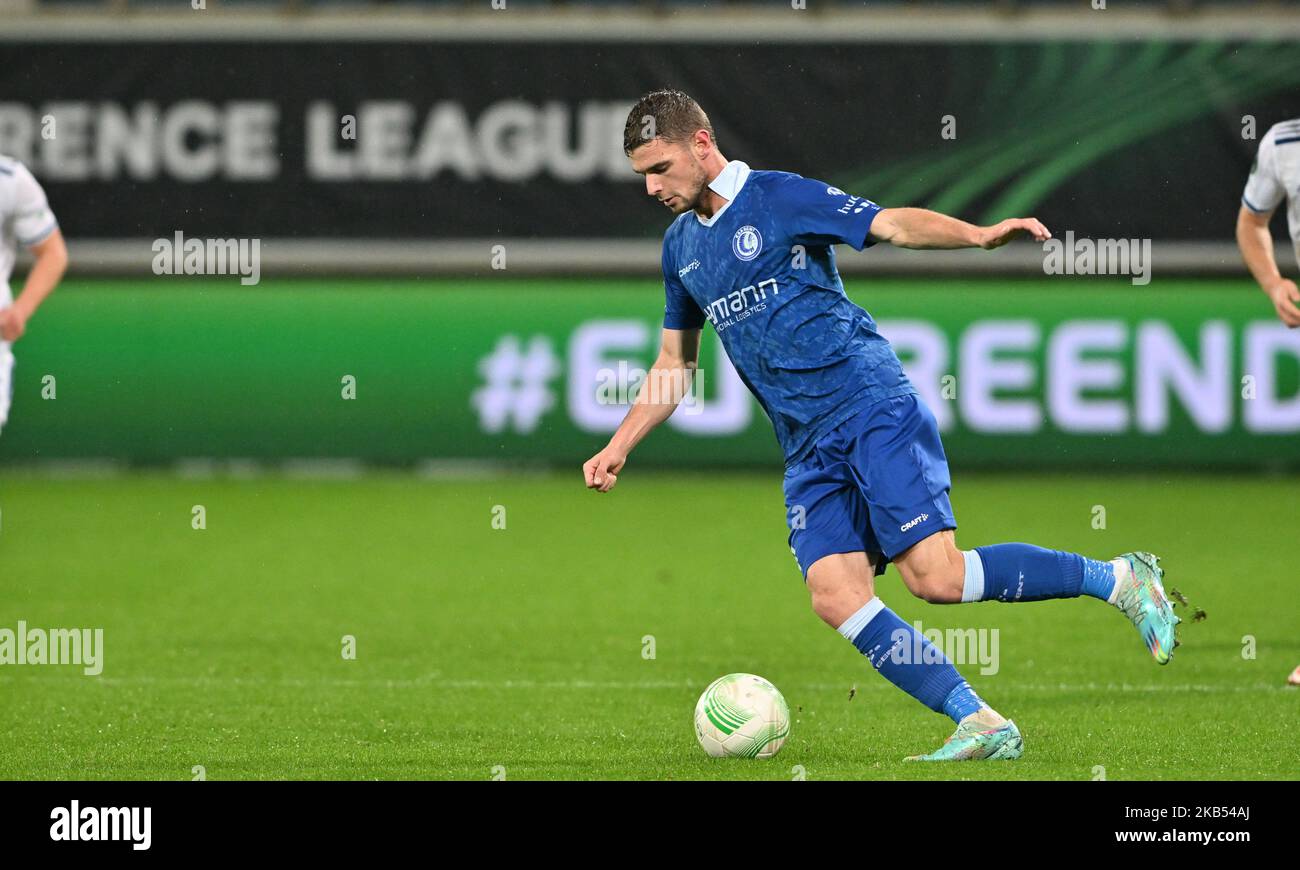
(743, 716)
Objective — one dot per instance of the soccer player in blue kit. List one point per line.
(866, 478)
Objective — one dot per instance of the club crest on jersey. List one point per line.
(747, 243)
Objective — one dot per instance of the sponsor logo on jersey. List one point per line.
(740, 304)
(689, 267)
(747, 243)
(856, 205)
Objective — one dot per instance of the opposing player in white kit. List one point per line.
(25, 219)
(1275, 177)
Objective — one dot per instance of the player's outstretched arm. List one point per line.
(51, 260)
(1256, 244)
(666, 384)
(924, 229)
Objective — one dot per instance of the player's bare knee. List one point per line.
(934, 569)
(918, 582)
(834, 608)
(935, 582)
(824, 593)
(827, 606)
(839, 585)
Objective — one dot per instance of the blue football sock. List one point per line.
(1023, 572)
(903, 656)
(1098, 579)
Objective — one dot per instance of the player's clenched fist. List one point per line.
(12, 324)
(1286, 299)
(601, 470)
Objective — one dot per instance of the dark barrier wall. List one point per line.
(1065, 372)
(458, 140)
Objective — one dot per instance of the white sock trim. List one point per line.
(1122, 570)
(853, 626)
(972, 587)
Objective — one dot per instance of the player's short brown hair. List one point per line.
(668, 115)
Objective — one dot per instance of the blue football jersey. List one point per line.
(762, 272)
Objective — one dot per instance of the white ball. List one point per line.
(743, 716)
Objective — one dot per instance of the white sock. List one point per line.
(972, 586)
(986, 715)
(853, 626)
(1122, 574)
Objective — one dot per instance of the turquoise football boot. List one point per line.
(1143, 600)
(974, 741)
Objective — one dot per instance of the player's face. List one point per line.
(673, 173)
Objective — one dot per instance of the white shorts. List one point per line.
(6, 382)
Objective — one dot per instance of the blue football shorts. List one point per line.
(877, 483)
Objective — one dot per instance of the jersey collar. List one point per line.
(728, 183)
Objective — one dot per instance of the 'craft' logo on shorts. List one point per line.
(747, 243)
(915, 521)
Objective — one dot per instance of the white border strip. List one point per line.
(764, 24)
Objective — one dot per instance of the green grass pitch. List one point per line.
(519, 651)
